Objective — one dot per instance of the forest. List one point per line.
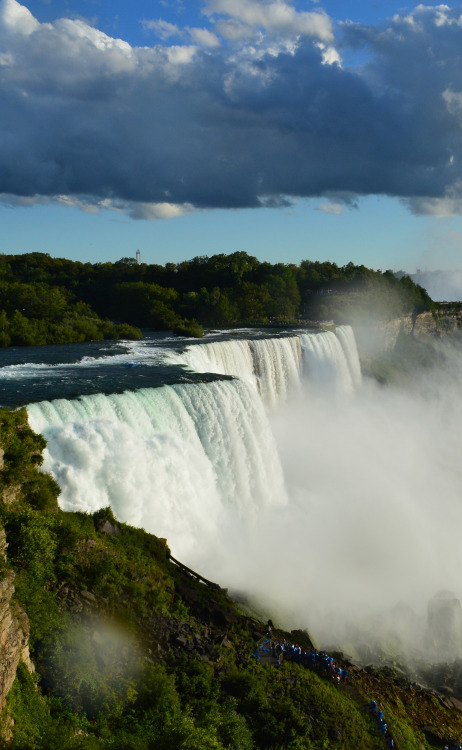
(45, 300)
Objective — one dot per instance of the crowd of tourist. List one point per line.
(270, 651)
(381, 723)
(275, 652)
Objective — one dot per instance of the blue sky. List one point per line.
(287, 129)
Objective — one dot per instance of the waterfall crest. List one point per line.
(275, 365)
(271, 365)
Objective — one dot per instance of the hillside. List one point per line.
(133, 651)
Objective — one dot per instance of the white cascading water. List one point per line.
(271, 365)
(347, 339)
(222, 357)
(274, 366)
(188, 462)
(325, 363)
(173, 460)
(277, 367)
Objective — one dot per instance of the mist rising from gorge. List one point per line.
(374, 514)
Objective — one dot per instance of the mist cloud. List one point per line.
(253, 110)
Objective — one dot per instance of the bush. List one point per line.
(189, 328)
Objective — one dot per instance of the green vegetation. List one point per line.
(37, 312)
(356, 294)
(53, 300)
(132, 652)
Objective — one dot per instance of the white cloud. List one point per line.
(232, 29)
(181, 55)
(274, 16)
(453, 101)
(17, 18)
(437, 207)
(330, 56)
(204, 38)
(163, 29)
(155, 211)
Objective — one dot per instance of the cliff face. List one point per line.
(14, 630)
(376, 338)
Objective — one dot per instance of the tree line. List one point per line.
(54, 300)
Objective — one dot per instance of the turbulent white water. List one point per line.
(184, 461)
(174, 460)
(331, 361)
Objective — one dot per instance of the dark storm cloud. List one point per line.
(242, 125)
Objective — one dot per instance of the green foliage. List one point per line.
(188, 328)
(32, 720)
(22, 448)
(51, 300)
(35, 312)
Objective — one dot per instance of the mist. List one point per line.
(371, 530)
(445, 286)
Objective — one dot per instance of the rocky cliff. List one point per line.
(14, 633)
(377, 338)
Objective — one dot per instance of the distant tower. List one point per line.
(138, 257)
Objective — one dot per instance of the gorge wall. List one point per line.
(14, 631)
(375, 338)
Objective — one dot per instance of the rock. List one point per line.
(10, 495)
(14, 634)
(425, 327)
(88, 596)
(108, 528)
(376, 338)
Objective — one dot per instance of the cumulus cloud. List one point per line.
(277, 16)
(254, 110)
(17, 18)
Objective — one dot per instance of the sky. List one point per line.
(290, 129)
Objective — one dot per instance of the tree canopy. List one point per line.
(54, 300)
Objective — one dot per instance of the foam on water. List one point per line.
(175, 459)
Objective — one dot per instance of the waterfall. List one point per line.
(330, 360)
(174, 460)
(347, 339)
(274, 365)
(271, 365)
(223, 357)
(188, 461)
(277, 367)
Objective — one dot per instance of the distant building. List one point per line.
(138, 257)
